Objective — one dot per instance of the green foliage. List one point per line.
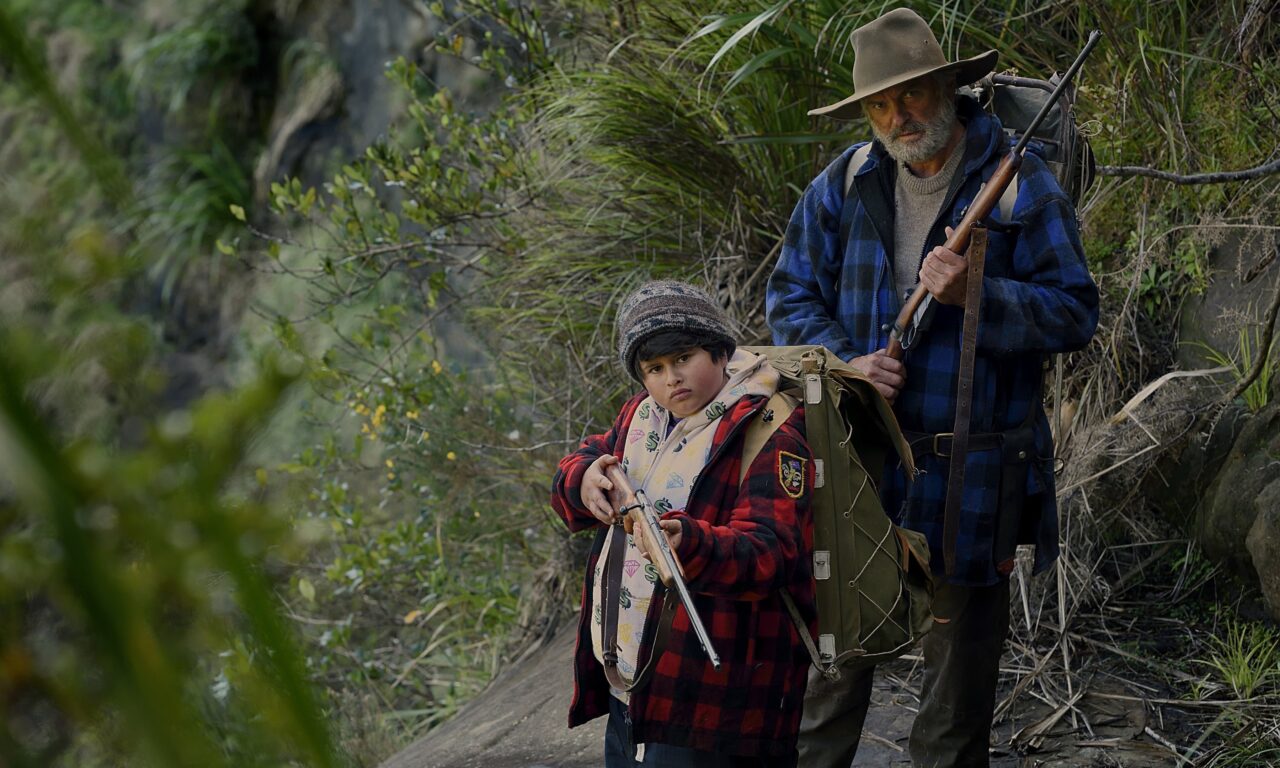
(207, 47)
(1171, 267)
(1258, 393)
(420, 470)
(194, 67)
(138, 623)
(1246, 657)
(190, 200)
(1256, 746)
(616, 143)
(430, 538)
(122, 547)
(33, 78)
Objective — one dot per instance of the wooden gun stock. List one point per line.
(987, 199)
(637, 511)
(981, 207)
(641, 513)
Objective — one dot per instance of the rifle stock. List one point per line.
(637, 511)
(987, 199)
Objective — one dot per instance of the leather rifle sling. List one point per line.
(611, 595)
(976, 258)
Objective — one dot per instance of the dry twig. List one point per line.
(1194, 178)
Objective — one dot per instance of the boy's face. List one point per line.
(684, 382)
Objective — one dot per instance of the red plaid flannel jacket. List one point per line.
(738, 551)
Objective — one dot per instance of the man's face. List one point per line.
(683, 382)
(913, 120)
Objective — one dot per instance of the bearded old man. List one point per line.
(847, 262)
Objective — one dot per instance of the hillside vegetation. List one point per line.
(322, 545)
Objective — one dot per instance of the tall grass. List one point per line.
(1249, 343)
(675, 141)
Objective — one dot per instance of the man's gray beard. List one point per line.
(937, 132)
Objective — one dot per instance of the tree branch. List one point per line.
(1263, 351)
(1195, 178)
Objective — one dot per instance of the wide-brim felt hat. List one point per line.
(895, 48)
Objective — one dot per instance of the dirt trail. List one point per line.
(520, 722)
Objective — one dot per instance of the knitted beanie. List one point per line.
(666, 305)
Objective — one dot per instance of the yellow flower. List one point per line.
(390, 464)
(391, 475)
(378, 414)
(436, 368)
(451, 456)
(411, 414)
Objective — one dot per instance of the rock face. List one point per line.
(520, 721)
(1243, 275)
(1184, 473)
(1229, 509)
(335, 98)
(1263, 544)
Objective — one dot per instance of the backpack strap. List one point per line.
(829, 671)
(856, 162)
(771, 416)
(1007, 200)
(861, 154)
(775, 412)
(609, 631)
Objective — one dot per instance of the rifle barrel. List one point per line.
(1049, 103)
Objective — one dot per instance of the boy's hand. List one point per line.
(673, 529)
(596, 488)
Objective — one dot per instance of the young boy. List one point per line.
(740, 545)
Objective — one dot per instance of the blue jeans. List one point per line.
(620, 750)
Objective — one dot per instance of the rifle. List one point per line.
(636, 510)
(981, 207)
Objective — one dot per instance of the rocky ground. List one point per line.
(519, 722)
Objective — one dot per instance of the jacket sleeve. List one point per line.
(566, 486)
(768, 531)
(801, 293)
(1050, 304)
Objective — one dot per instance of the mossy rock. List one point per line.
(1229, 509)
(1263, 544)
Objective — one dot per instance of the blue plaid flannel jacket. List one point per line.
(833, 285)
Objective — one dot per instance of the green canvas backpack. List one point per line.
(874, 586)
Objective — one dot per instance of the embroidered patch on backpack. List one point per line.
(791, 473)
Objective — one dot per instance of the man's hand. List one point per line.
(945, 274)
(673, 529)
(596, 488)
(887, 374)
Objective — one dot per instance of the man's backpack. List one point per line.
(1016, 101)
(873, 582)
